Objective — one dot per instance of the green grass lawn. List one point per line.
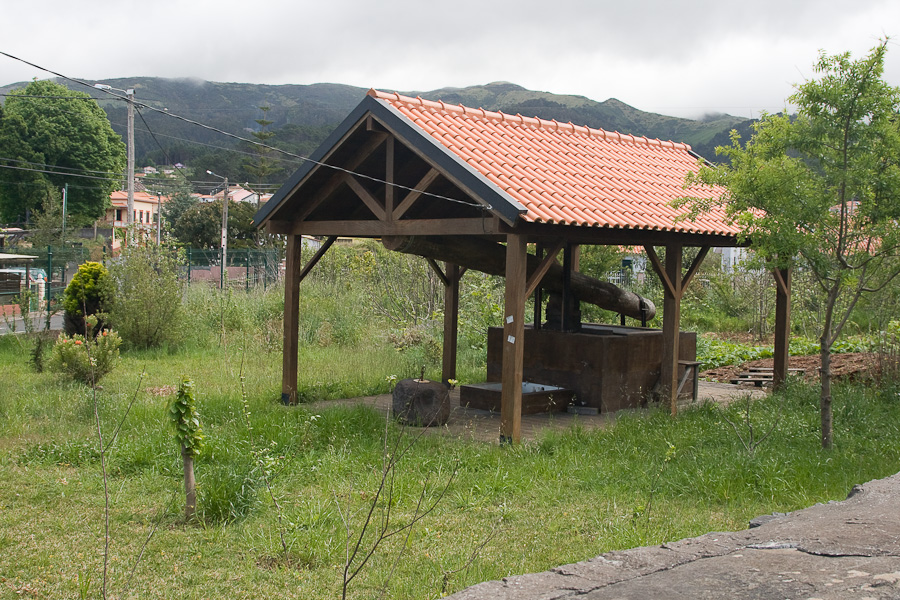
(563, 498)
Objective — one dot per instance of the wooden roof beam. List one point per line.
(415, 193)
(366, 150)
(363, 194)
(546, 262)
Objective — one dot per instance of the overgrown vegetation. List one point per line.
(146, 306)
(564, 497)
(84, 358)
(278, 488)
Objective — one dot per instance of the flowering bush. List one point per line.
(86, 360)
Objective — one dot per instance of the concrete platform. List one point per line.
(833, 551)
(482, 425)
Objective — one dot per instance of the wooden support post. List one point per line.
(668, 373)
(566, 312)
(673, 286)
(513, 340)
(782, 325)
(389, 188)
(451, 321)
(538, 291)
(290, 346)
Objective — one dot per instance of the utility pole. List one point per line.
(129, 93)
(129, 97)
(65, 200)
(224, 229)
(158, 218)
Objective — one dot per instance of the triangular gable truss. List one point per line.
(373, 181)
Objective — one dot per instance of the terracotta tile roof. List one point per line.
(120, 198)
(568, 174)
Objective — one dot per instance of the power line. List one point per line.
(54, 172)
(253, 142)
(34, 164)
(51, 97)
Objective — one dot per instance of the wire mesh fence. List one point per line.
(45, 272)
(246, 268)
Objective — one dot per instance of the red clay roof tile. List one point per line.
(567, 173)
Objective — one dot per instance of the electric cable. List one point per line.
(253, 142)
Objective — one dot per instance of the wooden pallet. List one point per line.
(760, 376)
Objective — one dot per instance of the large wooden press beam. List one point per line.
(674, 285)
(489, 257)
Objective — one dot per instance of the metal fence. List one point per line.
(246, 267)
(52, 268)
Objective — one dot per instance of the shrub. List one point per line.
(146, 306)
(86, 359)
(89, 293)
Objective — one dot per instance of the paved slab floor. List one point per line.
(483, 425)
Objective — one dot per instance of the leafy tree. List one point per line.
(200, 226)
(46, 127)
(146, 305)
(822, 190)
(46, 222)
(180, 201)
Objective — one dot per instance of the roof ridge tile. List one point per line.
(553, 124)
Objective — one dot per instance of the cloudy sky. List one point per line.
(667, 56)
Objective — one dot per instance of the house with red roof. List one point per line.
(146, 214)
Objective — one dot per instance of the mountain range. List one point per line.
(303, 115)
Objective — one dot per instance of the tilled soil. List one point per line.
(852, 365)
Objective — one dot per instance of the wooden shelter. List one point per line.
(418, 173)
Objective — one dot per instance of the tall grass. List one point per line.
(563, 497)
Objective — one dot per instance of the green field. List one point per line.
(562, 498)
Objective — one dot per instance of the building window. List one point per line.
(118, 214)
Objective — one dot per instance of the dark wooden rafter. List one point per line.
(338, 177)
(373, 228)
(415, 193)
(549, 258)
(317, 257)
(363, 194)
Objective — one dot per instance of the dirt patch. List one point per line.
(849, 366)
(162, 391)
